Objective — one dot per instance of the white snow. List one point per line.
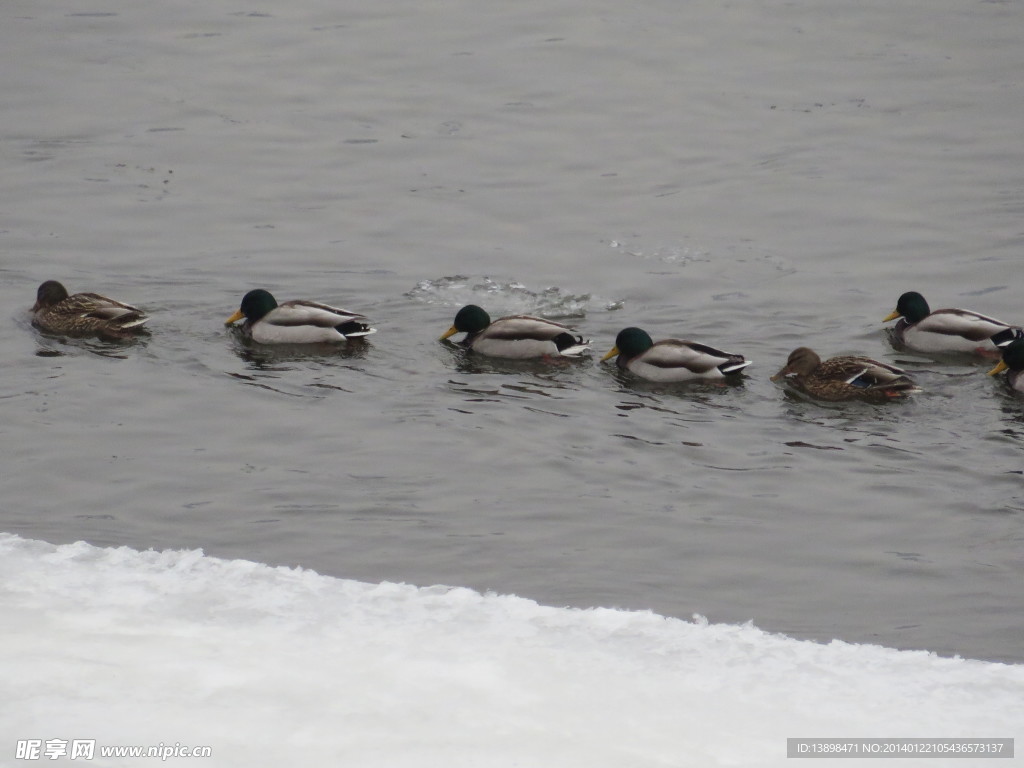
(278, 666)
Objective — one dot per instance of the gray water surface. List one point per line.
(754, 176)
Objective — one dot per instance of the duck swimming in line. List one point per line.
(844, 377)
(516, 337)
(671, 359)
(1013, 363)
(84, 314)
(947, 330)
(297, 322)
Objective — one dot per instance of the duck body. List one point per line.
(1013, 363)
(84, 314)
(845, 377)
(518, 337)
(947, 330)
(672, 360)
(297, 322)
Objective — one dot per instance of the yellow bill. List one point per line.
(1000, 367)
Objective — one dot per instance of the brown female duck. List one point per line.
(844, 378)
(84, 314)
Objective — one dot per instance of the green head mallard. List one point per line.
(945, 330)
(297, 322)
(517, 337)
(671, 359)
(1012, 362)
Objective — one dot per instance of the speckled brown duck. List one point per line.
(844, 378)
(84, 314)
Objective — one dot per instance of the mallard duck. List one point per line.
(296, 322)
(844, 378)
(1006, 338)
(1013, 364)
(671, 359)
(84, 314)
(518, 336)
(947, 330)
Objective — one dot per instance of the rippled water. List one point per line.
(755, 177)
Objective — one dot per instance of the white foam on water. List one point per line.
(281, 666)
(503, 297)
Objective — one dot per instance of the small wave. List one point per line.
(668, 254)
(504, 297)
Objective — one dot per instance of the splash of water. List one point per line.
(508, 297)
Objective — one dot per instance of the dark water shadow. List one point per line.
(698, 389)
(54, 345)
(468, 362)
(285, 368)
(284, 357)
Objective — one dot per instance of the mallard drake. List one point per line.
(671, 359)
(84, 314)
(947, 330)
(296, 322)
(1013, 364)
(518, 336)
(844, 378)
